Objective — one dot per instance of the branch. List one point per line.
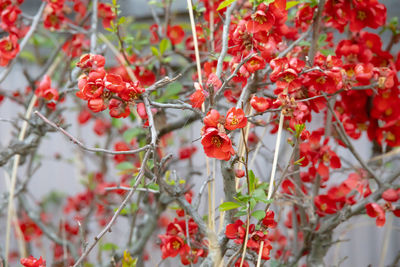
(82, 146)
(107, 228)
(225, 33)
(93, 36)
(316, 28)
(341, 131)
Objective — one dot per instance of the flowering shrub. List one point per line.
(182, 111)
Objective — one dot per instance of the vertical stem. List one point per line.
(275, 161)
(14, 178)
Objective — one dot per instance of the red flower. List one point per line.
(29, 229)
(171, 246)
(91, 61)
(175, 34)
(106, 13)
(239, 173)
(268, 220)
(236, 231)
(255, 63)
(101, 126)
(91, 86)
(73, 47)
(390, 195)
(260, 21)
(145, 76)
(325, 205)
(212, 119)
(367, 14)
(260, 104)
(375, 210)
(9, 48)
(84, 116)
(217, 144)
(131, 91)
(96, 105)
(114, 83)
(235, 119)
(198, 97)
(9, 16)
(33, 262)
(118, 109)
(53, 18)
(187, 152)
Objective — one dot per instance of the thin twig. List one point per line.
(84, 147)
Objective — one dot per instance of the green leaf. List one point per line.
(164, 44)
(240, 213)
(225, 4)
(117, 123)
(132, 133)
(258, 214)
(153, 186)
(229, 206)
(304, 43)
(291, 4)
(108, 246)
(154, 50)
(125, 166)
(27, 55)
(327, 52)
(252, 181)
(171, 92)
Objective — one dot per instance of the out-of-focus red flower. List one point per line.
(239, 173)
(198, 97)
(268, 220)
(9, 48)
(106, 13)
(33, 262)
(84, 116)
(390, 195)
(118, 109)
(101, 126)
(175, 34)
(374, 210)
(187, 152)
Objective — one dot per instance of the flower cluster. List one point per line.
(237, 232)
(215, 141)
(183, 238)
(105, 90)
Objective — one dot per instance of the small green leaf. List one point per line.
(229, 206)
(225, 4)
(132, 133)
(164, 44)
(240, 213)
(291, 4)
(252, 181)
(327, 52)
(153, 186)
(171, 92)
(117, 123)
(154, 50)
(258, 214)
(108, 246)
(125, 166)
